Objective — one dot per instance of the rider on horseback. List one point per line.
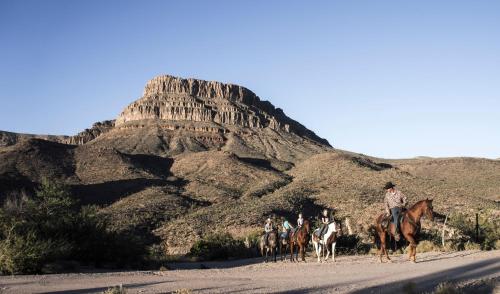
(268, 228)
(287, 227)
(300, 221)
(325, 220)
(394, 202)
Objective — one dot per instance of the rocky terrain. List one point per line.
(192, 157)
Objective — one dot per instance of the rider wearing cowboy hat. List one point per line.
(394, 201)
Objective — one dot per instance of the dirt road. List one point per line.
(349, 274)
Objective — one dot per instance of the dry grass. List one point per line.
(427, 246)
(182, 291)
(116, 290)
(218, 190)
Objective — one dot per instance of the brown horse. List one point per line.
(284, 243)
(301, 239)
(410, 226)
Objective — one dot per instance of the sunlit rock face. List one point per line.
(176, 99)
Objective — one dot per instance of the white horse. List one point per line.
(329, 241)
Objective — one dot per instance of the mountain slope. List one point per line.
(191, 157)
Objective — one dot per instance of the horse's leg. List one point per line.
(291, 251)
(383, 246)
(413, 248)
(302, 252)
(316, 249)
(296, 252)
(322, 250)
(333, 251)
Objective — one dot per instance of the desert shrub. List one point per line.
(351, 244)
(472, 246)
(182, 291)
(116, 290)
(446, 288)
(497, 244)
(450, 246)
(489, 228)
(219, 246)
(28, 253)
(51, 227)
(409, 288)
(427, 246)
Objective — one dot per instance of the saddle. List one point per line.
(387, 220)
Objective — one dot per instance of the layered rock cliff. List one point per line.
(176, 99)
(176, 115)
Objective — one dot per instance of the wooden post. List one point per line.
(444, 228)
(348, 225)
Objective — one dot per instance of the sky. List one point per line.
(393, 79)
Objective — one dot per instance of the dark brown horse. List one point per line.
(410, 226)
(284, 244)
(300, 239)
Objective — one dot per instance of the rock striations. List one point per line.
(176, 115)
(177, 99)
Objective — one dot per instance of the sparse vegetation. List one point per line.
(50, 228)
(182, 291)
(352, 244)
(409, 288)
(446, 288)
(116, 290)
(427, 246)
(219, 246)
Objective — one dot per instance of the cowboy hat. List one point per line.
(389, 185)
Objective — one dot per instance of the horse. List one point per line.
(329, 241)
(410, 226)
(270, 247)
(284, 243)
(301, 240)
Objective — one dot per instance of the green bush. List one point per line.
(489, 228)
(50, 228)
(219, 246)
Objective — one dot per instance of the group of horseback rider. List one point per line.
(288, 230)
(394, 201)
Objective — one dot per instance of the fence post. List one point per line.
(348, 225)
(444, 228)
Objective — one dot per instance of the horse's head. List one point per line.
(307, 226)
(428, 209)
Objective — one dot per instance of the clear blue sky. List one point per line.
(385, 78)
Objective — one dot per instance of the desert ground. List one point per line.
(477, 270)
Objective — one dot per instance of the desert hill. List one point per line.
(192, 157)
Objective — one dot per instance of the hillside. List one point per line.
(192, 157)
